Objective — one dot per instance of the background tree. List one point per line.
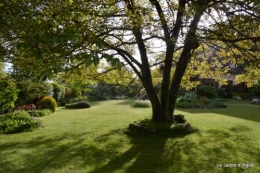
(62, 35)
(2, 70)
(8, 93)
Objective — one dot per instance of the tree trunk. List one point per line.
(165, 89)
(191, 43)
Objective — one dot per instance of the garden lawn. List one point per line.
(94, 140)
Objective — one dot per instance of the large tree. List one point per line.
(60, 35)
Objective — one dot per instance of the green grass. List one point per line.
(94, 141)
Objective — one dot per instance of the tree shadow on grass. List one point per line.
(129, 152)
(43, 154)
(146, 154)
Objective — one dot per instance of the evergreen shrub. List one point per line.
(78, 105)
(40, 112)
(18, 121)
(48, 103)
(207, 91)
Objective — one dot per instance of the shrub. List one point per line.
(65, 100)
(18, 121)
(180, 100)
(245, 96)
(220, 92)
(48, 103)
(216, 104)
(201, 102)
(184, 105)
(79, 105)
(8, 93)
(228, 92)
(68, 92)
(141, 104)
(207, 91)
(40, 112)
(189, 97)
(58, 91)
(147, 126)
(32, 92)
(255, 90)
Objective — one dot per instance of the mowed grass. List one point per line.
(95, 141)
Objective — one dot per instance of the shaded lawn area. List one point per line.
(95, 140)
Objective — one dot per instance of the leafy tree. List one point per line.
(58, 91)
(8, 93)
(32, 92)
(2, 72)
(62, 35)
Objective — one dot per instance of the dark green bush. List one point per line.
(207, 91)
(216, 104)
(220, 92)
(228, 92)
(245, 96)
(255, 90)
(68, 100)
(184, 105)
(79, 105)
(48, 103)
(201, 102)
(16, 122)
(40, 112)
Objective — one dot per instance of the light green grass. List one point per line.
(94, 140)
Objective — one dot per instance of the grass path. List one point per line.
(94, 140)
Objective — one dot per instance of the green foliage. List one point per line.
(184, 105)
(2, 72)
(68, 100)
(202, 103)
(245, 96)
(40, 112)
(79, 105)
(216, 104)
(186, 100)
(208, 91)
(8, 93)
(18, 121)
(228, 92)
(141, 104)
(255, 90)
(58, 91)
(48, 103)
(162, 128)
(54, 42)
(32, 92)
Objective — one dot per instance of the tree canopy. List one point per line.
(59, 35)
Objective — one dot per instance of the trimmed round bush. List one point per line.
(18, 121)
(48, 103)
(78, 105)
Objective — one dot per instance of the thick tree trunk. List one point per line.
(191, 43)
